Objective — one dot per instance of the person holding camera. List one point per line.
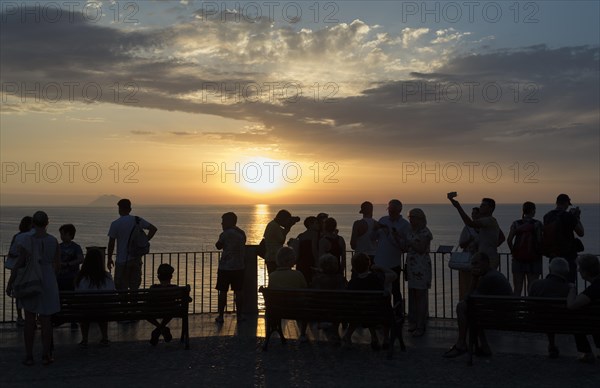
(558, 239)
(275, 235)
(489, 230)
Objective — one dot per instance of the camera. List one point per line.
(575, 211)
(295, 219)
(452, 195)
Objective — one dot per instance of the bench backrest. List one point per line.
(532, 315)
(366, 307)
(124, 305)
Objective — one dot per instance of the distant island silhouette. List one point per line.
(105, 200)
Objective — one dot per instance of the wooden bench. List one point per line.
(143, 304)
(536, 315)
(308, 305)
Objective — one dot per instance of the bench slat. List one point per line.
(359, 307)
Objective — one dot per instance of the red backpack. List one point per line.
(527, 246)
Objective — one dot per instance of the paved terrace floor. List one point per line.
(230, 356)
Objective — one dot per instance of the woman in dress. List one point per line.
(92, 277)
(43, 247)
(418, 271)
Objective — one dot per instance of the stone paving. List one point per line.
(231, 356)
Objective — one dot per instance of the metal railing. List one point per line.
(199, 270)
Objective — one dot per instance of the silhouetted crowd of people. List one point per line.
(384, 249)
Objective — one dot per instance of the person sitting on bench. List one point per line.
(485, 281)
(589, 268)
(164, 273)
(555, 285)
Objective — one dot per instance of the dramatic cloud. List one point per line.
(340, 91)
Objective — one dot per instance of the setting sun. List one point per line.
(263, 175)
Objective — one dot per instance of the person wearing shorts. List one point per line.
(231, 265)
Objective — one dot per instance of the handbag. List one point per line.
(28, 280)
(460, 261)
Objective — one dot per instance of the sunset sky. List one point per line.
(185, 102)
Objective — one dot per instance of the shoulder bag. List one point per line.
(28, 280)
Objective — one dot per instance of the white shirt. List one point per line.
(120, 229)
(389, 248)
(234, 243)
(365, 243)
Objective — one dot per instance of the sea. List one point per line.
(193, 228)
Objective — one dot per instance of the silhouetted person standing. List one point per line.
(558, 239)
(128, 268)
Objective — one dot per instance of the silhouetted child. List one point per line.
(71, 256)
(231, 265)
(164, 273)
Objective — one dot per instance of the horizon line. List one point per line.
(278, 204)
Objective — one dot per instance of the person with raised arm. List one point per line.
(489, 230)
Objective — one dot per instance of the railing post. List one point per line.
(250, 288)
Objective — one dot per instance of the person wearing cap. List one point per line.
(164, 273)
(128, 270)
(560, 225)
(360, 239)
(390, 233)
(275, 235)
(555, 285)
(231, 264)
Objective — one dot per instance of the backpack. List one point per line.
(527, 247)
(552, 236)
(138, 244)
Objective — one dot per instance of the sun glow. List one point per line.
(263, 175)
